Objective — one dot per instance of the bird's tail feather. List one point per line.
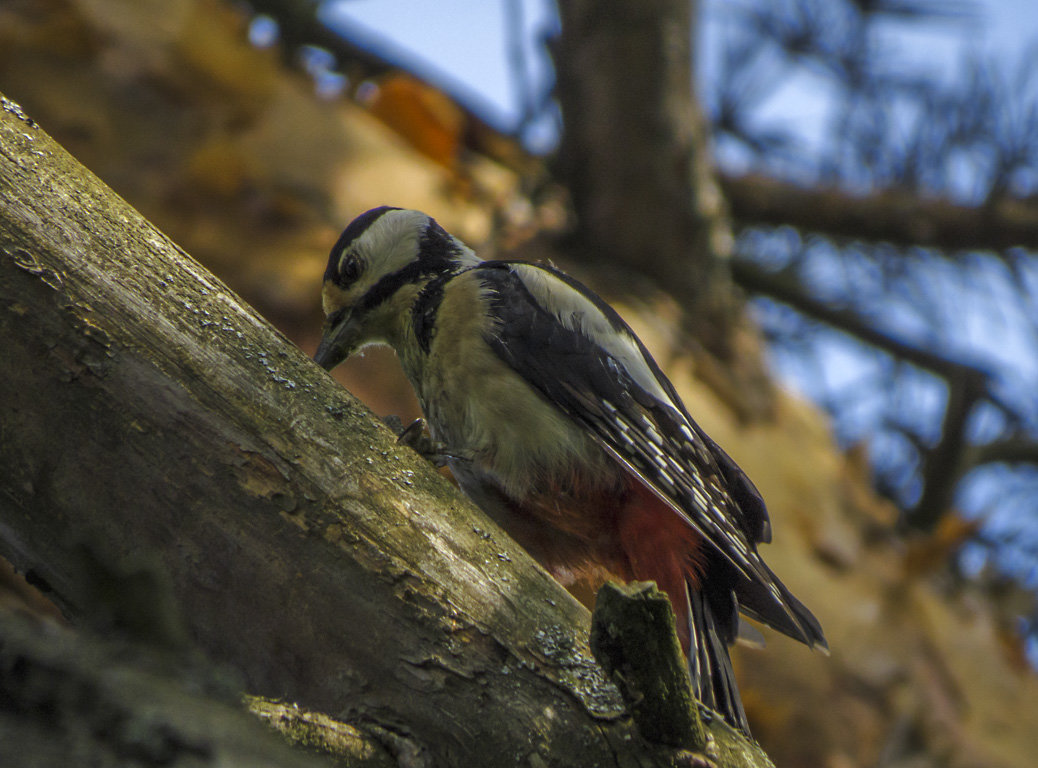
(710, 666)
(786, 614)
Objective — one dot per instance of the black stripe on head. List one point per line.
(437, 252)
(436, 245)
(353, 230)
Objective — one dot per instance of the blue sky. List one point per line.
(461, 43)
(464, 44)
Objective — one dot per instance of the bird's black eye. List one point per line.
(350, 268)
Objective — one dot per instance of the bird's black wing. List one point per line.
(577, 352)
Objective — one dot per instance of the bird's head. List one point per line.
(375, 270)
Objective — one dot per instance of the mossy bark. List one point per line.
(76, 699)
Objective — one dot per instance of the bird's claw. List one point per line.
(416, 437)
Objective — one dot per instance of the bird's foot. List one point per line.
(416, 437)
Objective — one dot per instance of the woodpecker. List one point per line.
(559, 424)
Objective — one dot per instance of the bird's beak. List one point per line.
(338, 341)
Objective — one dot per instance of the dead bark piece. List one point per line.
(633, 638)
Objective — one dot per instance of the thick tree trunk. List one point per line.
(633, 142)
(144, 409)
(635, 157)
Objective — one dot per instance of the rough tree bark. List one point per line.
(144, 409)
(73, 699)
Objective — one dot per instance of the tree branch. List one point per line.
(944, 463)
(952, 457)
(783, 288)
(145, 409)
(894, 216)
(300, 26)
(318, 733)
